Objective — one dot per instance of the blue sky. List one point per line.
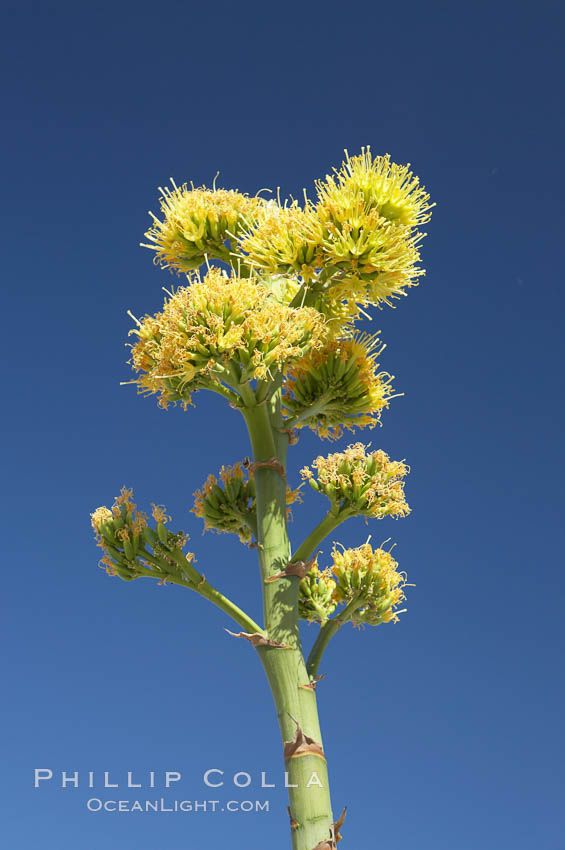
(444, 731)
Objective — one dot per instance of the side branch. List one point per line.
(318, 535)
(124, 535)
(200, 585)
(228, 607)
(315, 409)
(326, 634)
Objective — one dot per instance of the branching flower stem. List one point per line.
(330, 522)
(205, 589)
(326, 633)
(314, 410)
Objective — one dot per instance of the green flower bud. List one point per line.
(363, 484)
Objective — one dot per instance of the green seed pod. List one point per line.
(128, 549)
(106, 529)
(213, 500)
(125, 576)
(150, 535)
(213, 515)
(115, 553)
(162, 533)
(219, 493)
(230, 491)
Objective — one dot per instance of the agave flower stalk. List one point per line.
(272, 329)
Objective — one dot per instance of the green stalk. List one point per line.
(318, 535)
(315, 409)
(228, 607)
(310, 804)
(326, 634)
(200, 585)
(203, 588)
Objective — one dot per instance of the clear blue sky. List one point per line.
(444, 732)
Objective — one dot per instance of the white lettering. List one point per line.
(107, 783)
(131, 783)
(314, 780)
(47, 774)
(65, 780)
(171, 776)
(207, 780)
(286, 782)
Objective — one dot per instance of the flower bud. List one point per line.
(196, 224)
(360, 483)
(216, 324)
(123, 534)
(368, 211)
(228, 505)
(369, 576)
(283, 241)
(316, 601)
(338, 386)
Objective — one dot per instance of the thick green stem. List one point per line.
(295, 701)
(310, 803)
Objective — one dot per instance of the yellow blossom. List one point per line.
(124, 535)
(358, 243)
(196, 224)
(338, 386)
(317, 595)
(159, 513)
(220, 329)
(360, 483)
(376, 183)
(369, 577)
(369, 211)
(100, 516)
(283, 242)
(229, 506)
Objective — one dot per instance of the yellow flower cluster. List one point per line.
(283, 242)
(230, 506)
(196, 224)
(214, 326)
(376, 183)
(317, 596)
(369, 576)
(360, 483)
(338, 386)
(358, 243)
(369, 211)
(123, 533)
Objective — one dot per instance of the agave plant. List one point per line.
(268, 320)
